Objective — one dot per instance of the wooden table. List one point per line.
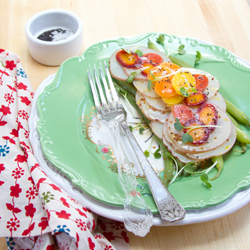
(223, 22)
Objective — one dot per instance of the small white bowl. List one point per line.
(53, 53)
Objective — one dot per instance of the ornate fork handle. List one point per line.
(169, 209)
(138, 217)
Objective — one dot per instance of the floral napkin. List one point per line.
(34, 212)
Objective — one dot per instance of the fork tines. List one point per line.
(111, 101)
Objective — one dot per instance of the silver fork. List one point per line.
(138, 217)
(169, 209)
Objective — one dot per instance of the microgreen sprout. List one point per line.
(126, 50)
(199, 57)
(156, 153)
(161, 40)
(184, 92)
(151, 45)
(139, 53)
(149, 84)
(130, 79)
(190, 168)
(186, 137)
(204, 179)
(139, 125)
(146, 153)
(152, 74)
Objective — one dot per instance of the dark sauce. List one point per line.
(55, 35)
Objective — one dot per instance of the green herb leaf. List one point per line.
(197, 57)
(167, 154)
(160, 39)
(141, 129)
(194, 90)
(204, 179)
(127, 51)
(139, 52)
(130, 79)
(184, 92)
(149, 84)
(131, 128)
(190, 167)
(151, 45)
(177, 125)
(181, 49)
(187, 138)
(157, 155)
(152, 74)
(146, 153)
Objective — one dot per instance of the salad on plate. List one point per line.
(182, 106)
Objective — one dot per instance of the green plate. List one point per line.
(66, 118)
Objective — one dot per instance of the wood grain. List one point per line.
(222, 22)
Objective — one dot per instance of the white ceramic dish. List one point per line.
(53, 53)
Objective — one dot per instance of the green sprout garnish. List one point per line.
(184, 92)
(126, 50)
(151, 45)
(161, 40)
(139, 125)
(152, 74)
(194, 90)
(181, 49)
(149, 84)
(177, 125)
(141, 129)
(139, 52)
(156, 154)
(190, 167)
(130, 79)
(204, 179)
(146, 153)
(199, 57)
(186, 137)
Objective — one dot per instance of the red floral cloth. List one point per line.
(34, 212)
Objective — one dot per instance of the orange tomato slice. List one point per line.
(128, 60)
(164, 88)
(173, 100)
(183, 113)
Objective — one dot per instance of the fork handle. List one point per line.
(138, 217)
(170, 210)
